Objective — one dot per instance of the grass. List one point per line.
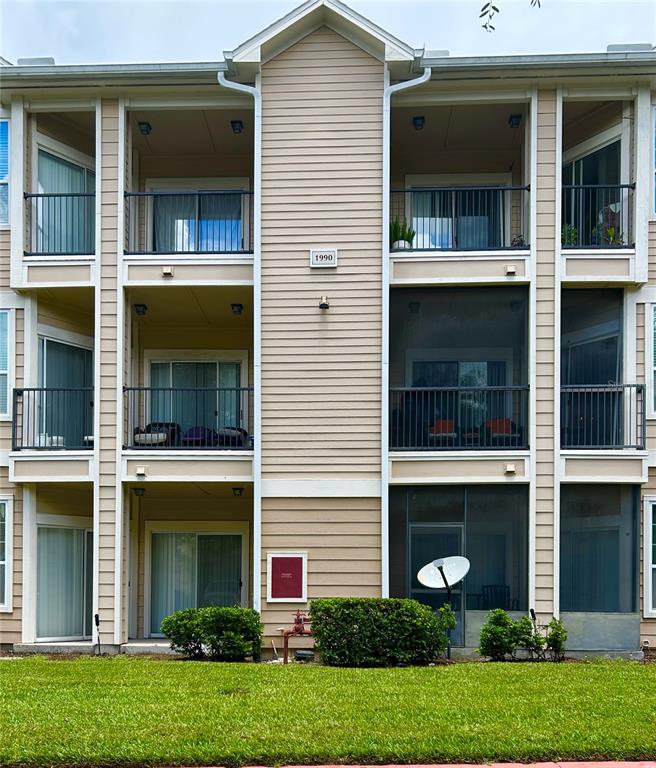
(129, 711)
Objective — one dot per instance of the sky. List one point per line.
(113, 31)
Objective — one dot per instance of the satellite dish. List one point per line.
(444, 572)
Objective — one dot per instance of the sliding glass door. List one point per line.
(65, 215)
(64, 582)
(66, 405)
(190, 570)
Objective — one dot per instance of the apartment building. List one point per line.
(223, 382)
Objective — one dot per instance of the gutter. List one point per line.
(257, 329)
(384, 418)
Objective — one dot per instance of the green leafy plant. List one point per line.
(502, 637)
(555, 639)
(378, 632)
(518, 241)
(400, 232)
(610, 236)
(569, 235)
(221, 634)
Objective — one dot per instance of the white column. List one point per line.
(29, 563)
(644, 179)
(16, 189)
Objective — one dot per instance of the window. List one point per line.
(4, 362)
(598, 549)
(650, 557)
(5, 554)
(4, 172)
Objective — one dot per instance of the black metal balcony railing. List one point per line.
(458, 418)
(610, 416)
(189, 222)
(52, 419)
(60, 224)
(460, 218)
(188, 418)
(597, 215)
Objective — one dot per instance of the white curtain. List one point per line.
(173, 575)
(219, 570)
(60, 582)
(64, 224)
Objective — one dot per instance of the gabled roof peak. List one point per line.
(308, 17)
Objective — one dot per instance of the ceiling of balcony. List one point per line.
(194, 306)
(192, 132)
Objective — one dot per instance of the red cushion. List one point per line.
(500, 426)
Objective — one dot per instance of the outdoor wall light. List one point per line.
(145, 127)
(141, 309)
(139, 492)
(418, 121)
(237, 492)
(237, 309)
(514, 121)
(237, 126)
(324, 303)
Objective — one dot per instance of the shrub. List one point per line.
(497, 636)
(230, 634)
(556, 638)
(183, 630)
(378, 632)
(223, 634)
(502, 637)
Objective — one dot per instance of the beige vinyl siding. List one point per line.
(10, 623)
(342, 541)
(652, 251)
(545, 201)
(108, 365)
(318, 97)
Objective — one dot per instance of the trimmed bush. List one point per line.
(230, 634)
(378, 632)
(183, 630)
(221, 634)
(502, 637)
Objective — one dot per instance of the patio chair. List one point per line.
(442, 432)
(199, 437)
(232, 437)
(157, 434)
(501, 432)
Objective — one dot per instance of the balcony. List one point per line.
(52, 419)
(607, 417)
(458, 418)
(188, 418)
(208, 222)
(461, 218)
(60, 224)
(597, 216)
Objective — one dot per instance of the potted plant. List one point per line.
(610, 236)
(569, 235)
(518, 242)
(401, 235)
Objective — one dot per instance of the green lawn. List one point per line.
(146, 711)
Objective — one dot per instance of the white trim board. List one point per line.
(649, 565)
(304, 557)
(7, 600)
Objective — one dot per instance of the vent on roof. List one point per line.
(626, 47)
(36, 61)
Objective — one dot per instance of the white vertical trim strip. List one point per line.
(7, 600)
(28, 634)
(96, 375)
(532, 500)
(650, 411)
(557, 334)
(30, 342)
(120, 356)
(643, 180)
(257, 329)
(649, 605)
(16, 189)
(385, 302)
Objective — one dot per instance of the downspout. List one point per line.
(384, 421)
(257, 330)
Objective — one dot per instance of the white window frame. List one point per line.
(649, 565)
(225, 183)
(11, 362)
(228, 528)
(196, 356)
(650, 378)
(304, 558)
(7, 600)
(6, 225)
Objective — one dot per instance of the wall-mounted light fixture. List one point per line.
(419, 121)
(514, 121)
(237, 126)
(237, 491)
(237, 309)
(145, 127)
(141, 309)
(324, 303)
(139, 492)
